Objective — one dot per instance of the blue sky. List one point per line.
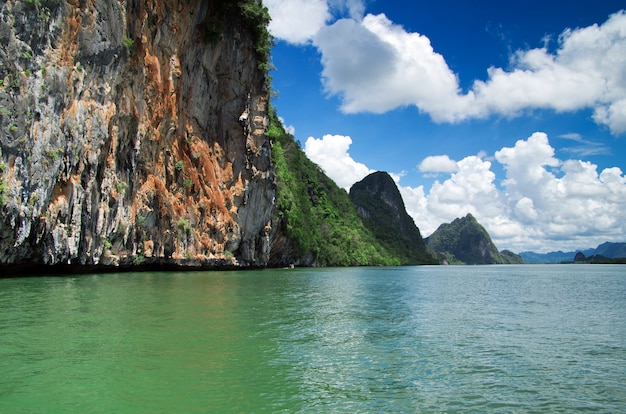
(512, 111)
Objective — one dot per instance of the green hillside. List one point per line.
(318, 224)
(465, 241)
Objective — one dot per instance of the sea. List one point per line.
(440, 339)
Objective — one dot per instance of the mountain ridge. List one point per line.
(611, 250)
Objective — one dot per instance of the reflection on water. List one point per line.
(408, 339)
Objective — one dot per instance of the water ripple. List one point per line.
(530, 339)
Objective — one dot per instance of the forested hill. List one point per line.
(316, 224)
(465, 241)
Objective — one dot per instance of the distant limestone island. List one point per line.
(605, 253)
(465, 241)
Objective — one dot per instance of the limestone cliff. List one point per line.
(465, 241)
(132, 131)
(380, 204)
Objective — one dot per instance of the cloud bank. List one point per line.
(543, 203)
(375, 66)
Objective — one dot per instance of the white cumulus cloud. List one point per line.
(437, 164)
(526, 164)
(375, 66)
(297, 21)
(471, 189)
(331, 154)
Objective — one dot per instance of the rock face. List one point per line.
(132, 131)
(380, 204)
(466, 241)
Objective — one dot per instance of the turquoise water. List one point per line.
(408, 339)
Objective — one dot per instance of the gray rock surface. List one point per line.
(127, 138)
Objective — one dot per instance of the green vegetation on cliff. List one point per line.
(508, 257)
(317, 219)
(255, 16)
(379, 202)
(258, 17)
